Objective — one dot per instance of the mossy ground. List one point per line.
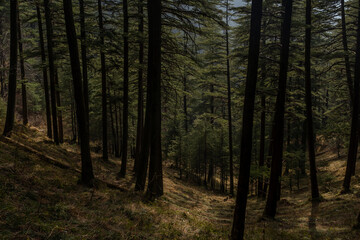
(41, 201)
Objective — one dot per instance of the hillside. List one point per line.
(40, 199)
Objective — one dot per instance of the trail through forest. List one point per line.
(40, 200)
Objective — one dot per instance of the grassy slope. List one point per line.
(41, 201)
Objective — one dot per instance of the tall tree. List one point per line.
(140, 109)
(247, 124)
(155, 183)
(346, 53)
(50, 43)
(87, 175)
(261, 191)
(231, 164)
(10, 112)
(58, 104)
(308, 100)
(84, 56)
(103, 85)
(22, 72)
(126, 92)
(44, 71)
(354, 137)
(277, 137)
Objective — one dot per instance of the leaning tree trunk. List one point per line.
(155, 184)
(10, 112)
(278, 126)
(309, 115)
(352, 154)
(49, 32)
(87, 176)
(22, 71)
(126, 92)
(103, 85)
(247, 125)
(44, 71)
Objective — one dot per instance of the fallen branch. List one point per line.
(57, 163)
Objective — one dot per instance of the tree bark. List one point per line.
(261, 192)
(140, 109)
(308, 97)
(87, 175)
(346, 55)
(44, 71)
(247, 125)
(10, 112)
(49, 32)
(124, 146)
(278, 126)
(22, 72)
(84, 57)
(231, 155)
(354, 137)
(155, 184)
(103, 85)
(58, 103)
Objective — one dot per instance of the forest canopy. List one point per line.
(254, 101)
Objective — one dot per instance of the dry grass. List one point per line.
(41, 201)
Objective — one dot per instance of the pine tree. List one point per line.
(10, 113)
(247, 127)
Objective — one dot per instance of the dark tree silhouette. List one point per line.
(22, 73)
(155, 183)
(84, 56)
(126, 92)
(44, 71)
(140, 109)
(354, 137)
(277, 137)
(231, 155)
(247, 124)
(10, 112)
(103, 85)
(87, 175)
(308, 100)
(49, 32)
(346, 55)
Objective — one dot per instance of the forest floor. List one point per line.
(40, 199)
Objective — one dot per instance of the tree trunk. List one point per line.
(49, 32)
(261, 192)
(278, 126)
(140, 109)
(308, 96)
(22, 71)
(103, 85)
(211, 163)
(231, 155)
(155, 185)
(353, 146)
(44, 71)
(58, 103)
(87, 176)
(346, 55)
(84, 58)
(247, 124)
(1, 60)
(124, 145)
(10, 112)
